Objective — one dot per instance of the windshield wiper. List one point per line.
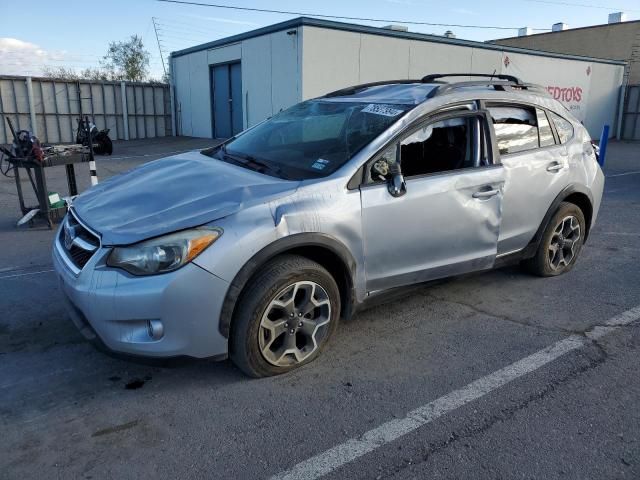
(255, 164)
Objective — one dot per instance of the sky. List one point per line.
(76, 34)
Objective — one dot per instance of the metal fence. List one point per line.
(50, 108)
(631, 114)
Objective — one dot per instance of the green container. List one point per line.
(55, 201)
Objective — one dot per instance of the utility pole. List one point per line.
(155, 29)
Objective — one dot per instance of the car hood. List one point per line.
(171, 194)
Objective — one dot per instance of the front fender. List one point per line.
(280, 246)
(321, 221)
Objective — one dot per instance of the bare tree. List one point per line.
(60, 73)
(124, 61)
(68, 73)
(127, 60)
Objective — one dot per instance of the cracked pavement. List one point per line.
(69, 411)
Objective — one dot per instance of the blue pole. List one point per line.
(604, 140)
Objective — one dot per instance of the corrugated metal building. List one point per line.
(227, 85)
(615, 41)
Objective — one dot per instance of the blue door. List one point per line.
(226, 84)
(236, 97)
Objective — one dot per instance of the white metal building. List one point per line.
(227, 85)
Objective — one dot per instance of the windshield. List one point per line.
(311, 139)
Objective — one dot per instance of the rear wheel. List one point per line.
(561, 242)
(285, 317)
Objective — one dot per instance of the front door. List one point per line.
(448, 220)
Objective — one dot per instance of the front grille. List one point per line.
(79, 256)
(78, 243)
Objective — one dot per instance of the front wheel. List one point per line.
(561, 242)
(285, 316)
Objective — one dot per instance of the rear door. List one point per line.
(536, 170)
(448, 220)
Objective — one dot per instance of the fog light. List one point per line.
(155, 329)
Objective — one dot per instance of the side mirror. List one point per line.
(396, 184)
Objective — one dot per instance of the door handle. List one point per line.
(554, 167)
(486, 193)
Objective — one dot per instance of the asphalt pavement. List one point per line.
(496, 375)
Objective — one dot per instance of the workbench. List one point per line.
(80, 155)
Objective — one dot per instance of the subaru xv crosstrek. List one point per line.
(254, 249)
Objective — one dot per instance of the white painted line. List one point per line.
(625, 318)
(25, 274)
(329, 460)
(623, 174)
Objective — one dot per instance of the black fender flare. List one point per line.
(532, 247)
(283, 245)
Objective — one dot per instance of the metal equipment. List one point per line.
(27, 153)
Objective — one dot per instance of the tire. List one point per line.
(272, 317)
(563, 237)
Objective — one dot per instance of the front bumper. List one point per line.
(118, 308)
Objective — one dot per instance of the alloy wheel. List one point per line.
(564, 243)
(294, 324)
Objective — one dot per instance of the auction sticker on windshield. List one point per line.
(378, 109)
(320, 164)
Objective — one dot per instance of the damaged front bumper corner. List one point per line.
(168, 315)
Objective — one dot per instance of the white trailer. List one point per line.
(227, 85)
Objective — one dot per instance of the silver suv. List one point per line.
(256, 248)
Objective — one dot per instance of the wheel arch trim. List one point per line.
(283, 245)
(568, 191)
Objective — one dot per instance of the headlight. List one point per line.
(163, 254)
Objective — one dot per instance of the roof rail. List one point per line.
(357, 88)
(502, 82)
(495, 84)
(437, 76)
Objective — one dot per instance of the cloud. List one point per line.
(18, 57)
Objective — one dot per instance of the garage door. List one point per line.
(226, 85)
